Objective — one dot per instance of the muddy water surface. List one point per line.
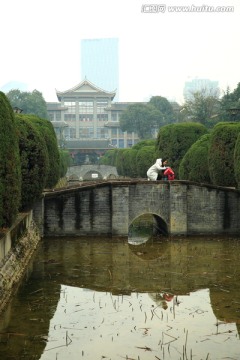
(97, 298)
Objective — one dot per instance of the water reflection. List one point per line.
(100, 298)
(145, 227)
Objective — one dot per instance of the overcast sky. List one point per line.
(158, 52)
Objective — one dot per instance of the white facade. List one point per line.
(89, 113)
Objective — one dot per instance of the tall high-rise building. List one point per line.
(100, 63)
(195, 85)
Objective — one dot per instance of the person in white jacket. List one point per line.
(153, 171)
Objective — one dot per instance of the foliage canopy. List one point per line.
(174, 140)
(10, 174)
(141, 118)
(221, 153)
(194, 165)
(30, 102)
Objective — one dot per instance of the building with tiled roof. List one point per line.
(91, 120)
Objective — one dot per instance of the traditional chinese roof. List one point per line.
(85, 88)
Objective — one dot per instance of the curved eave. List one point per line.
(96, 91)
(84, 94)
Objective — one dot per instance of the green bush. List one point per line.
(127, 165)
(174, 140)
(194, 165)
(65, 161)
(47, 131)
(109, 158)
(34, 160)
(120, 158)
(10, 173)
(146, 157)
(221, 154)
(132, 170)
(237, 161)
(143, 143)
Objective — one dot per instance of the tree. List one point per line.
(194, 165)
(65, 162)
(237, 161)
(10, 173)
(221, 153)
(165, 108)
(143, 119)
(202, 106)
(229, 102)
(146, 156)
(48, 134)
(34, 160)
(109, 158)
(120, 159)
(30, 102)
(174, 140)
(143, 143)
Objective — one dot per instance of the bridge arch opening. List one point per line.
(92, 175)
(145, 227)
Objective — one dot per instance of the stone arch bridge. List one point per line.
(91, 172)
(109, 207)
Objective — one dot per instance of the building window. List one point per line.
(114, 131)
(101, 105)
(72, 133)
(114, 116)
(69, 117)
(54, 115)
(86, 132)
(86, 107)
(102, 117)
(101, 133)
(129, 143)
(86, 117)
(71, 107)
(121, 143)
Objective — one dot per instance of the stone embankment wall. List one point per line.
(17, 246)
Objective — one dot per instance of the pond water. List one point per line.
(154, 298)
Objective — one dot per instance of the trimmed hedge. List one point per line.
(236, 159)
(174, 140)
(10, 173)
(146, 157)
(132, 155)
(34, 160)
(194, 165)
(221, 154)
(143, 143)
(65, 161)
(120, 158)
(46, 129)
